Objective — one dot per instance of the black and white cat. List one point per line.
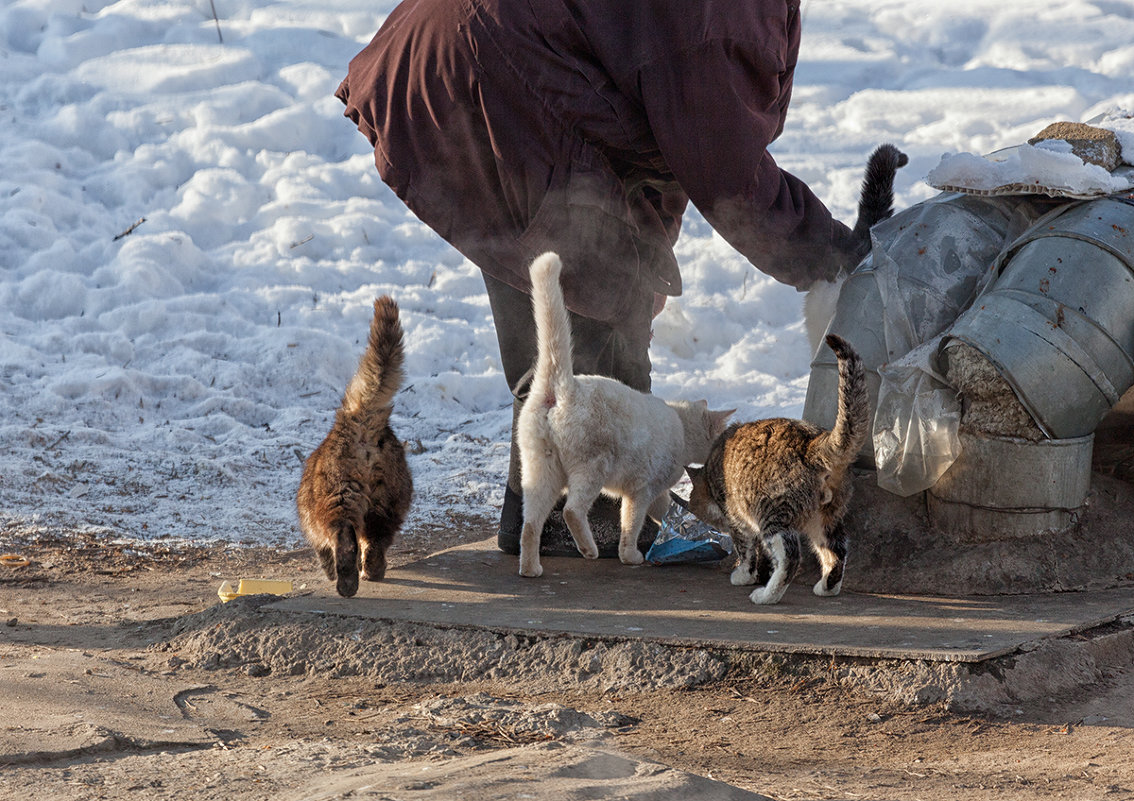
(875, 204)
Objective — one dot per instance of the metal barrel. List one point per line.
(1059, 321)
(1002, 488)
(926, 264)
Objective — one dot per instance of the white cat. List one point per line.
(589, 434)
(819, 309)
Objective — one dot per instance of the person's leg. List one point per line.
(598, 349)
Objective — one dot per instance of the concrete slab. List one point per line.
(477, 586)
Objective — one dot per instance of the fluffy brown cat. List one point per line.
(769, 482)
(356, 487)
(588, 434)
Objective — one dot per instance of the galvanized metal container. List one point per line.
(1004, 488)
(1059, 321)
(927, 264)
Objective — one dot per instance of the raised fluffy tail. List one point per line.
(876, 200)
(554, 362)
(370, 393)
(845, 440)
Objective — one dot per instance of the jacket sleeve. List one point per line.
(713, 110)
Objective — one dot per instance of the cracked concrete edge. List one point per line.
(1041, 669)
(1048, 668)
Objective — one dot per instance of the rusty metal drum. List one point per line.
(926, 265)
(1058, 323)
(1001, 488)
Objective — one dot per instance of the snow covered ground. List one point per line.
(168, 382)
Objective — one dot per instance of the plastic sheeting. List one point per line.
(916, 423)
(929, 263)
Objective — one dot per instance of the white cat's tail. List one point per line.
(554, 362)
(842, 443)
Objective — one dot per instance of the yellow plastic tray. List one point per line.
(253, 587)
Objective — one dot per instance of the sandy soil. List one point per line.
(117, 684)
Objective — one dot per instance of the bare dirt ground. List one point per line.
(98, 658)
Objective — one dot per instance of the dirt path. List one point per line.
(112, 687)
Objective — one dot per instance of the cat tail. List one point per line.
(843, 442)
(876, 198)
(554, 363)
(370, 394)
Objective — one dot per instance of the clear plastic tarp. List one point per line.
(930, 262)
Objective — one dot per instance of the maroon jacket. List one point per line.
(512, 127)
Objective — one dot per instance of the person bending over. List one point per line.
(515, 127)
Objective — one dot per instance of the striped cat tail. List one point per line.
(370, 394)
(852, 422)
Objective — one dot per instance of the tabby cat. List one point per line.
(356, 487)
(589, 434)
(770, 482)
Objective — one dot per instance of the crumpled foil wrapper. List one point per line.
(682, 538)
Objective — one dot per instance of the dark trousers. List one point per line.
(598, 348)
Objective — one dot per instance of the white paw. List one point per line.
(530, 568)
(588, 551)
(820, 587)
(740, 576)
(630, 556)
(768, 594)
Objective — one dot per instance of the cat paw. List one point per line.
(767, 594)
(589, 553)
(630, 556)
(820, 588)
(374, 574)
(531, 569)
(740, 576)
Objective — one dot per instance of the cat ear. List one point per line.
(701, 404)
(718, 419)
